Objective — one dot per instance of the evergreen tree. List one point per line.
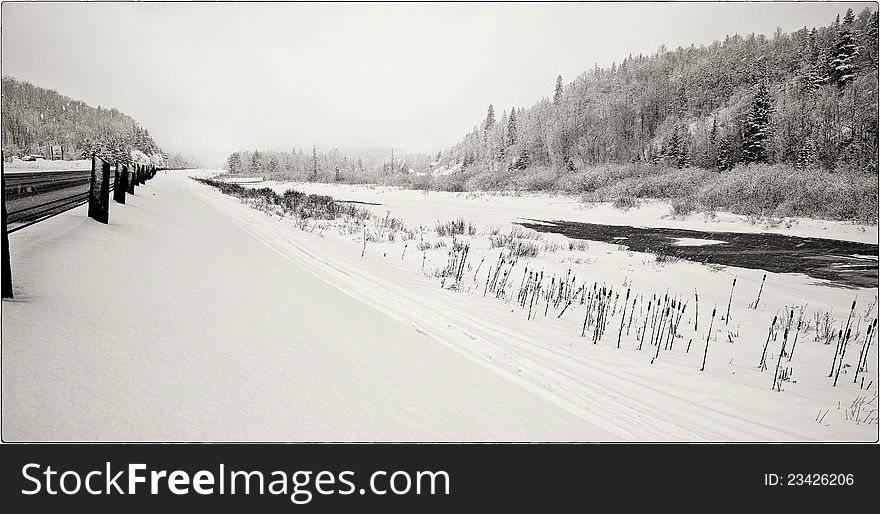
(490, 118)
(807, 155)
(757, 127)
(557, 95)
(522, 160)
(118, 151)
(810, 66)
(272, 166)
(843, 65)
(670, 151)
(684, 159)
(233, 163)
(868, 41)
(314, 174)
(711, 154)
(723, 161)
(511, 128)
(822, 67)
(256, 162)
(88, 148)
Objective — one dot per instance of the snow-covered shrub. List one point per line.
(626, 202)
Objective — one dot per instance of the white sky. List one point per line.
(207, 79)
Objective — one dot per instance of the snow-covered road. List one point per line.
(174, 323)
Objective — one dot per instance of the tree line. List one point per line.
(331, 165)
(807, 99)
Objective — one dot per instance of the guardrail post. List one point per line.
(121, 185)
(131, 180)
(7, 266)
(99, 190)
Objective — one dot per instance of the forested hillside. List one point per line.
(807, 99)
(34, 117)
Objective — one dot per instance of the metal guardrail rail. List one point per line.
(28, 182)
(38, 213)
(36, 196)
(30, 197)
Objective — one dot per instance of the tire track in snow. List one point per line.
(257, 230)
(631, 418)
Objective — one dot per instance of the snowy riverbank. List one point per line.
(668, 400)
(500, 209)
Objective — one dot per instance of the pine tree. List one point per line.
(869, 48)
(149, 146)
(822, 67)
(233, 163)
(511, 128)
(810, 67)
(118, 151)
(256, 161)
(723, 162)
(848, 19)
(557, 95)
(684, 159)
(490, 118)
(314, 174)
(843, 65)
(670, 151)
(757, 127)
(272, 166)
(522, 160)
(807, 155)
(712, 144)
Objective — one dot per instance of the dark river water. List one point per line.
(843, 263)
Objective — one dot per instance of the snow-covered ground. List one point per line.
(174, 322)
(46, 165)
(668, 400)
(238, 324)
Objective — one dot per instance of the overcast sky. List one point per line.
(207, 79)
